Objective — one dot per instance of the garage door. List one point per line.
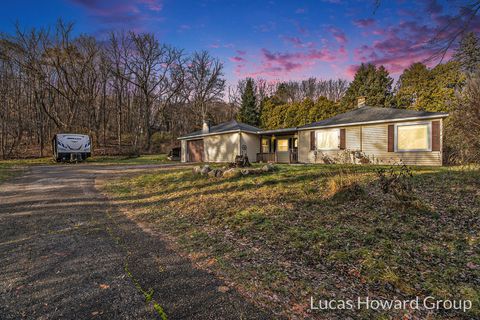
(195, 150)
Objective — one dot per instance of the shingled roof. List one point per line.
(232, 126)
(374, 114)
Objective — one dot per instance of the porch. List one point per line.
(279, 146)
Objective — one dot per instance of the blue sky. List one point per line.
(275, 40)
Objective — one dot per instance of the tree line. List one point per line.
(129, 92)
(133, 94)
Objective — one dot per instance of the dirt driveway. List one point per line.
(65, 253)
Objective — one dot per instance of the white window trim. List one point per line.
(328, 129)
(429, 136)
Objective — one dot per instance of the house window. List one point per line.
(265, 145)
(328, 139)
(413, 137)
(282, 145)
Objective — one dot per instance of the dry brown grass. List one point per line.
(327, 231)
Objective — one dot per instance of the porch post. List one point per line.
(260, 150)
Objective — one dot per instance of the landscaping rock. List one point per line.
(215, 173)
(268, 167)
(212, 173)
(232, 173)
(245, 172)
(196, 169)
(205, 170)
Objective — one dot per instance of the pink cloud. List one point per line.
(364, 23)
(298, 43)
(351, 70)
(237, 59)
(408, 42)
(339, 35)
(286, 64)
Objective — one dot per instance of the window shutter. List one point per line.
(391, 130)
(435, 135)
(342, 139)
(312, 140)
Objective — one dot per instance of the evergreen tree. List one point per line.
(248, 110)
(420, 88)
(468, 53)
(412, 86)
(275, 116)
(373, 83)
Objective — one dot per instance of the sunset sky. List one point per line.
(276, 40)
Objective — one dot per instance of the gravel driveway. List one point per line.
(65, 253)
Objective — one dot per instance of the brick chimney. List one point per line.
(361, 101)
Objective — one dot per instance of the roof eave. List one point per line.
(215, 133)
(375, 121)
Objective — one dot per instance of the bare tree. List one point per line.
(122, 91)
(158, 73)
(205, 78)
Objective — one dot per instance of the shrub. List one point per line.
(397, 182)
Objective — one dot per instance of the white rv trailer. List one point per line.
(71, 147)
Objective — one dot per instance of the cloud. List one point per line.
(364, 23)
(121, 13)
(237, 59)
(339, 35)
(266, 27)
(298, 43)
(434, 7)
(300, 10)
(218, 44)
(351, 70)
(240, 57)
(401, 45)
(285, 64)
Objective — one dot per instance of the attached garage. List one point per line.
(195, 150)
(221, 143)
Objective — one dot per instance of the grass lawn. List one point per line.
(9, 168)
(144, 159)
(326, 231)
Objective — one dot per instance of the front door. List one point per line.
(195, 150)
(283, 155)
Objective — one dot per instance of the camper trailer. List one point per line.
(71, 147)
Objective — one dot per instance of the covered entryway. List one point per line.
(195, 150)
(279, 146)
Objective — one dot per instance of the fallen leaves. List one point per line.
(104, 286)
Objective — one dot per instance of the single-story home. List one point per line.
(363, 135)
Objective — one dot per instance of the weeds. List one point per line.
(397, 182)
(344, 185)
